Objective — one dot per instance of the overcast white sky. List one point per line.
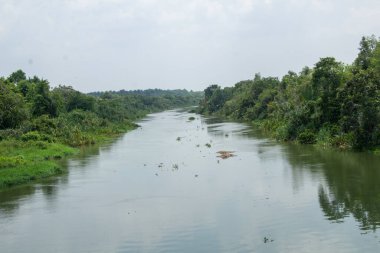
(137, 44)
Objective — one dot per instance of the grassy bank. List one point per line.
(34, 155)
(22, 162)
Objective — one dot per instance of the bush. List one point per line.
(343, 141)
(41, 145)
(307, 137)
(282, 133)
(44, 124)
(10, 133)
(31, 136)
(8, 162)
(324, 136)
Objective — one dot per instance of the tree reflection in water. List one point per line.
(351, 185)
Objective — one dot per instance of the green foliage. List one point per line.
(343, 141)
(12, 107)
(375, 60)
(31, 136)
(39, 123)
(366, 52)
(17, 76)
(21, 162)
(10, 162)
(42, 101)
(10, 134)
(307, 137)
(333, 104)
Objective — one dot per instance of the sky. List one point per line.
(97, 45)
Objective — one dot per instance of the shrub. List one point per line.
(44, 124)
(41, 145)
(282, 133)
(343, 141)
(8, 162)
(307, 137)
(31, 136)
(10, 133)
(324, 136)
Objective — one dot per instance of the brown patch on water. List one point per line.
(225, 154)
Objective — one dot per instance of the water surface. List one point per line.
(151, 191)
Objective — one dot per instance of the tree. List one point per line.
(366, 51)
(360, 108)
(12, 107)
(326, 79)
(42, 101)
(17, 76)
(375, 61)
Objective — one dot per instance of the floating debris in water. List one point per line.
(156, 174)
(225, 154)
(208, 145)
(178, 138)
(175, 166)
(191, 118)
(266, 240)
(196, 175)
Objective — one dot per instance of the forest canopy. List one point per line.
(332, 103)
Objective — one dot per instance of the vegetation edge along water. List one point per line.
(332, 104)
(40, 125)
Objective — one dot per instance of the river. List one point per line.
(160, 188)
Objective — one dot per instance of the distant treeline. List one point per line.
(152, 93)
(332, 103)
(31, 105)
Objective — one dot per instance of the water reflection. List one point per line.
(351, 182)
(10, 202)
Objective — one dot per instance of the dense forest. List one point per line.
(40, 124)
(152, 93)
(30, 105)
(332, 103)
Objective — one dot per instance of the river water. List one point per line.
(150, 191)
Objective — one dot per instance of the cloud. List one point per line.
(115, 44)
(89, 4)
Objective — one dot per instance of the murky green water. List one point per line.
(129, 196)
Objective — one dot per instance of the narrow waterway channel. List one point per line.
(162, 188)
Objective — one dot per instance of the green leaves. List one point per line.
(12, 107)
(306, 106)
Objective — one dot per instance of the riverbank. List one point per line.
(35, 156)
(331, 104)
(40, 125)
(327, 137)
